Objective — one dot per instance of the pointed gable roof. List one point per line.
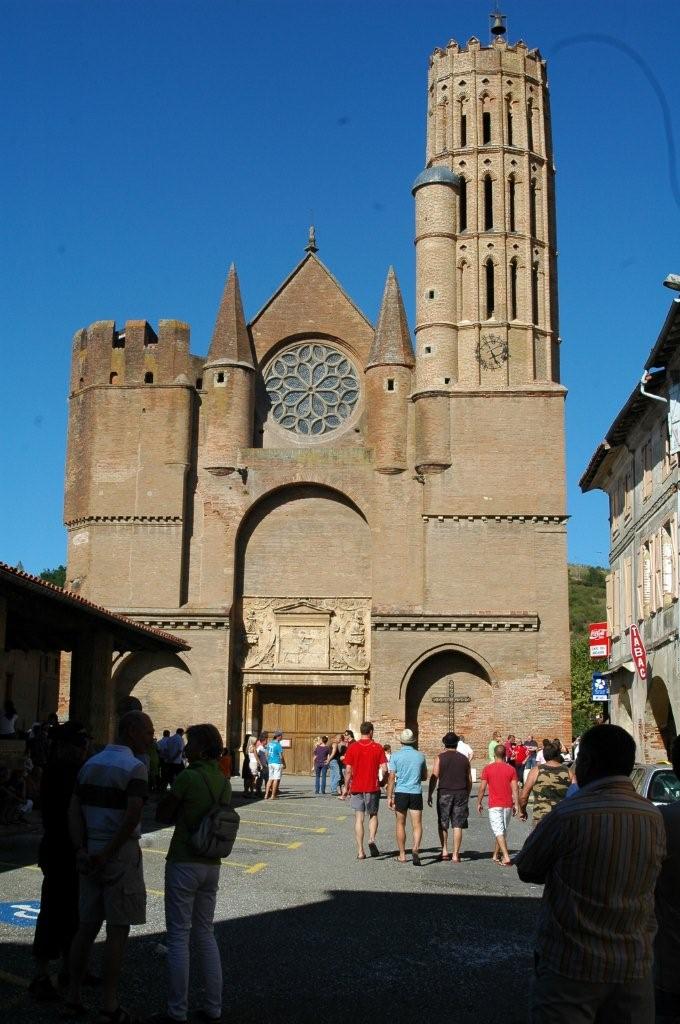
(311, 303)
(230, 342)
(392, 341)
(306, 268)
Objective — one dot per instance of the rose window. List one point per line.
(312, 388)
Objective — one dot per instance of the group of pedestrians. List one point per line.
(608, 859)
(368, 767)
(264, 762)
(91, 860)
(328, 761)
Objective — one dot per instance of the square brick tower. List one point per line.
(339, 526)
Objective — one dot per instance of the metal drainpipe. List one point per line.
(643, 380)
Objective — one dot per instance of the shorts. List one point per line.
(499, 819)
(453, 808)
(116, 892)
(408, 802)
(366, 802)
(275, 772)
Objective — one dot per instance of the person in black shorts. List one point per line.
(452, 771)
(408, 771)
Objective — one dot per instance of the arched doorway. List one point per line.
(301, 616)
(659, 724)
(450, 690)
(164, 685)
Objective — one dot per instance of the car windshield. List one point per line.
(664, 787)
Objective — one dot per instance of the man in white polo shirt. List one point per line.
(105, 825)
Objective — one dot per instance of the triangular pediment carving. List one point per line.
(301, 607)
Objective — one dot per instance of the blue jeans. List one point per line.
(320, 778)
(336, 775)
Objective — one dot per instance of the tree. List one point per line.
(56, 576)
(583, 710)
(587, 603)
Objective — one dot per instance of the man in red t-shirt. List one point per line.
(501, 779)
(363, 761)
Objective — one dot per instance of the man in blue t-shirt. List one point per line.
(408, 771)
(277, 763)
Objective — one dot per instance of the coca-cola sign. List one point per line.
(637, 649)
(598, 640)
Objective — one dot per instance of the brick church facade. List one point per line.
(343, 521)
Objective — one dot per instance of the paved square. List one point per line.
(309, 933)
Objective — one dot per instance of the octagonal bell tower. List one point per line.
(486, 297)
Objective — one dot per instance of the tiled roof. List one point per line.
(51, 591)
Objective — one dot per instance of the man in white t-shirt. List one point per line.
(464, 748)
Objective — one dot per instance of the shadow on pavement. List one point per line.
(355, 956)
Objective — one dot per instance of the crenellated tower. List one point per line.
(129, 450)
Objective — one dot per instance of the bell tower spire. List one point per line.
(388, 382)
(229, 383)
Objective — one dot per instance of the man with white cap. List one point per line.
(405, 794)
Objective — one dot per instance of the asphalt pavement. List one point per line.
(309, 933)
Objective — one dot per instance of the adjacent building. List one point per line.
(344, 520)
(637, 466)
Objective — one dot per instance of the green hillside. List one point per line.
(587, 601)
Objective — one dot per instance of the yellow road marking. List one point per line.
(276, 824)
(225, 863)
(300, 814)
(253, 870)
(156, 892)
(267, 842)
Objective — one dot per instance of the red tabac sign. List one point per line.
(598, 641)
(637, 649)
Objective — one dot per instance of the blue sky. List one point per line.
(146, 145)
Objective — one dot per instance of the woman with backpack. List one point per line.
(191, 877)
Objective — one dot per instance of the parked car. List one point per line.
(658, 782)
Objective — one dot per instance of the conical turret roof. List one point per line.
(392, 340)
(230, 342)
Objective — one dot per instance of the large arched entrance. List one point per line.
(450, 690)
(302, 616)
(163, 684)
(659, 724)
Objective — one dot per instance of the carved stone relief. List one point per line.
(314, 633)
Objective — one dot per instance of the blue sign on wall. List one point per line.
(23, 915)
(600, 690)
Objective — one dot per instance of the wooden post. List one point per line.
(91, 697)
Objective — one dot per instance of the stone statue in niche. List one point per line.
(348, 640)
(260, 638)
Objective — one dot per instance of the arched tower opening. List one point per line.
(450, 690)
